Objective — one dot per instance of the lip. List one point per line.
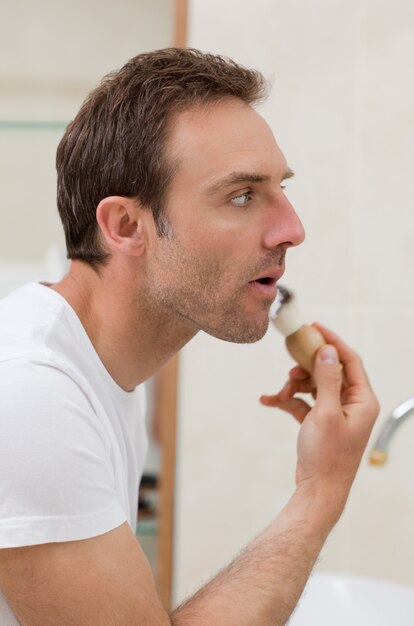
(272, 273)
(269, 289)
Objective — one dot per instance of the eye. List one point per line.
(242, 199)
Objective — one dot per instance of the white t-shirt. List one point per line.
(72, 442)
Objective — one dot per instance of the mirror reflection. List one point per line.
(56, 53)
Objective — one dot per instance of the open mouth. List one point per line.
(265, 286)
(266, 280)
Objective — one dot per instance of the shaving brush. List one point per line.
(302, 340)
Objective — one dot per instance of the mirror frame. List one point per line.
(167, 406)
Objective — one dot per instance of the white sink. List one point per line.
(342, 600)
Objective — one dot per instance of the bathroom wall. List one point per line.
(342, 109)
(53, 54)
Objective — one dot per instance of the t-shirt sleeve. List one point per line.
(57, 481)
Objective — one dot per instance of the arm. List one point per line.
(263, 585)
(107, 578)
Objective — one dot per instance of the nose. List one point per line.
(284, 226)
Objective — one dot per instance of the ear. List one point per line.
(122, 222)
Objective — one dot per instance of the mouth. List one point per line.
(265, 285)
(265, 280)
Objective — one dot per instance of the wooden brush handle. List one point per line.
(303, 344)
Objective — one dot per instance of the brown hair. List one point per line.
(116, 143)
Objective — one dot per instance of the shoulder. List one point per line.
(55, 458)
(45, 411)
(34, 384)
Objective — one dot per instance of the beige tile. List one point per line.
(341, 109)
(381, 507)
(384, 257)
(387, 115)
(386, 341)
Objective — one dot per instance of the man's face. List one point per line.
(231, 223)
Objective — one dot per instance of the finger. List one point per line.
(327, 373)
(295, 407)
(289, 390)
(270, 400)
(298, 373)
(354, 370)
(296, 386)
(283, 394)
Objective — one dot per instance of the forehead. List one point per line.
(209, 141)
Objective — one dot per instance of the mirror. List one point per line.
(56, 53)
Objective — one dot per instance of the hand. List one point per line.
(335, 430)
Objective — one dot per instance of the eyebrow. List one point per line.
(244, 177)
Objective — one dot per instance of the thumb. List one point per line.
(327, 373)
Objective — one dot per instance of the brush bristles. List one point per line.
(285, 313)
(285, 294)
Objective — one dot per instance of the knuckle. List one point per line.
(333, 378)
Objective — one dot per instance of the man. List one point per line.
(170, 190)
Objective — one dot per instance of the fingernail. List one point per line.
(328, 355)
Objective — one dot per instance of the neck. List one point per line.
(133, 338)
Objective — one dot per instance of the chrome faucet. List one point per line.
(379, 454)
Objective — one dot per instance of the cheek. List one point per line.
(221, 241)
(232, 248)
(218, 245)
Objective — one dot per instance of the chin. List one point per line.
(241, 333)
